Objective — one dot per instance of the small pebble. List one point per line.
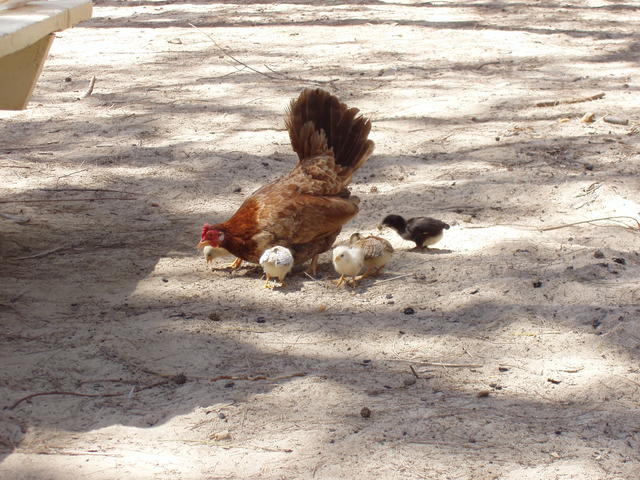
(67, 79)
(224, 435)
(222, 416)
(619, 260)
(483, 393)
(503, 369)
(214, 317)
(261, 320)
(616, 120)
(409, 311)
(180, 379)
(537, 284)
(409, 381)
(588, 117)
(165, 280)
(229, 385)
(598, 254)
(365, 412)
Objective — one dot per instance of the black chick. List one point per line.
(424, 231)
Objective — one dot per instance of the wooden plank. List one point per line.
(28, 24)
(19, 73)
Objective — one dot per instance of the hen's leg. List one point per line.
(313, 266)
(235, 264)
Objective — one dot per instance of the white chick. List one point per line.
(348, 261)
(276, 263)
(211, 253)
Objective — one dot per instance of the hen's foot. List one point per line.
(235, 264)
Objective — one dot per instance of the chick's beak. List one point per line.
(380, 227)
(204, 243)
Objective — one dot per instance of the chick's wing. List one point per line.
(374, 247)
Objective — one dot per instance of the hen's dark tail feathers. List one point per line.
(319, 123)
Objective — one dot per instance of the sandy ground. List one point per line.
(524, 342)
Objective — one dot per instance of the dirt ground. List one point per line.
(509, 352)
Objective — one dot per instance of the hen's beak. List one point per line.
(205, 243)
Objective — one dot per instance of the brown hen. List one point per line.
(305, 209)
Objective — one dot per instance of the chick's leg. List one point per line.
(375, 272)
(267, 284)
(368, 273)
(340, 281)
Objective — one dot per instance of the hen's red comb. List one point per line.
(205, 229)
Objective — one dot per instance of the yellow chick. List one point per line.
(348, 261)
(210, 253)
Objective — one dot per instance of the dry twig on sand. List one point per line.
(45, 253)
(53, 200)
(557, 227)
(253, 379)
(85, 190)
(553, 103)
(89, 91)
(224, 51)
(280, 76)
(444, 365)
(78, 394)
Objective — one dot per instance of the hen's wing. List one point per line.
(300, 218)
